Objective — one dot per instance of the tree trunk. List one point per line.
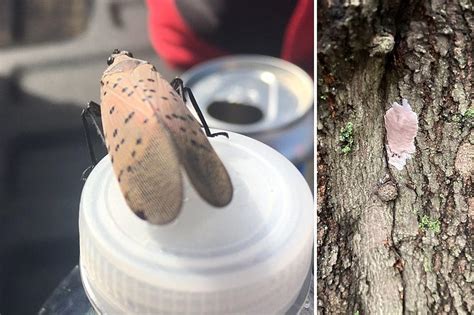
(414, 254)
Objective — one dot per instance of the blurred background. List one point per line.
(52, 54)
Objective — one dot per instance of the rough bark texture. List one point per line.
(411, 255)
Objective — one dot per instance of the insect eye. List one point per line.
(110, 60)
(129, 54)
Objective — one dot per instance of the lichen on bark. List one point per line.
(373, 257)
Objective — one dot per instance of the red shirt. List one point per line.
(185, 33)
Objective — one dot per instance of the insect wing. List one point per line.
(203, 166)
(143, 155)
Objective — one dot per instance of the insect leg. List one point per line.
(178, 85)
(188, 91)
(91, 111)
(94, 113)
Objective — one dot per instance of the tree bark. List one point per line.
(414, 254)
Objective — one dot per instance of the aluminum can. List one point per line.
(262, 97)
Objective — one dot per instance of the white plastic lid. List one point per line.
(250, 257)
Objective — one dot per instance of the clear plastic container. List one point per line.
(250, 257)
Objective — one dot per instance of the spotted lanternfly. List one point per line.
(150, 135)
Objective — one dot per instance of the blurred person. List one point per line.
(187, 32)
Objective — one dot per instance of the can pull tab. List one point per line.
(272, 100)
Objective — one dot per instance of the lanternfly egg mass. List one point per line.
(151, 136)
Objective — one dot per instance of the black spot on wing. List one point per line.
(127, 119)
(204, 147)
(140, 214)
